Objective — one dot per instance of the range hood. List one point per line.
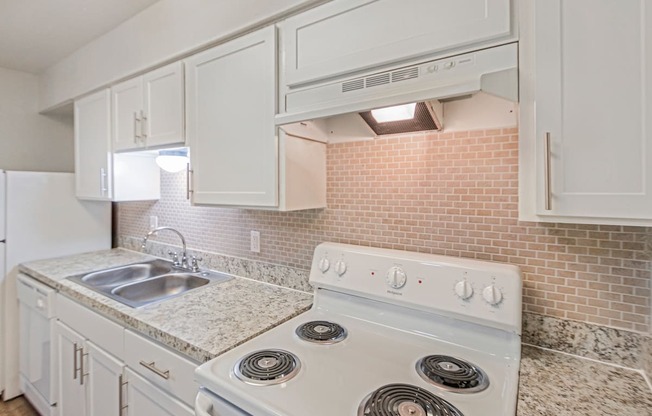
(349, 100)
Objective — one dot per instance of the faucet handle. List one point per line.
(175, 257)
(194, 263)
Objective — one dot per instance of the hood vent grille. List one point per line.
(424, 119)
(383, 78)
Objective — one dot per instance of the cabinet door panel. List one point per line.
(127, 103)
(93, 146)
(103, 382)
(344, 36)
(231, 107)
(72, 399)
(597, 107)
(143, 398)
(164, 106)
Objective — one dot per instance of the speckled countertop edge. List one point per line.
(204, 326)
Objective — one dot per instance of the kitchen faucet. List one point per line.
(183, 262)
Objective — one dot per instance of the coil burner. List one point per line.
(267, 367)
(405, 400)
(321, 332)
(452, 374)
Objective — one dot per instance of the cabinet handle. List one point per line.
(189, 172)
(121, 401)
(152, 367)
(102, 181)
(81, 366)
(143, 124)
(136, 123)
(74, 361)
(547, 172)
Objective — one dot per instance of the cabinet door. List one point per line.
(594, 101)
(345, 36)
(143, 398)
(72, 398)
(103, 383)
(127, 104)
(93, 146)
(231, 107)
(163, 122)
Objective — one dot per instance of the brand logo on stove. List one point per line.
(392, 292)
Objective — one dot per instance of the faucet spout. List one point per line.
(184, 257)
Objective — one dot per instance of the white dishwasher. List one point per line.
(37, 315)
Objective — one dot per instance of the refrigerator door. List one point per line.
(44, 219)
(2, 324)
(2, 205)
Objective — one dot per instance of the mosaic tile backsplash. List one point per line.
(454, 194)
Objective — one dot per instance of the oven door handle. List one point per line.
(203, 405)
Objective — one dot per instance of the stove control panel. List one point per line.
(483, 292)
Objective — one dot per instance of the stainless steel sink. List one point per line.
(140, 284)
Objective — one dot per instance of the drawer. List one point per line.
(161, 366)
(102, 331)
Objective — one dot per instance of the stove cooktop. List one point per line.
(384, 353)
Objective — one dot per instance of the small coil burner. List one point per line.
(321, 332)
(266, 367)
(452, 374)
(405, 400)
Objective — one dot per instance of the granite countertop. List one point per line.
(558, 384)
(201, 324)
(207, 322)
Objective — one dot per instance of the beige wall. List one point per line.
(450, 193)
(160, 33)
(28, 140)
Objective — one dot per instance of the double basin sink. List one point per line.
(140, 284)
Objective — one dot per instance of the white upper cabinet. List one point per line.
(93, 160)
(100, 174)
(351, 35)
(586, 105)
(148, 111)
(231, 132)
(238, 156)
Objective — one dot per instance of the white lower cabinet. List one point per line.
(143, 398)
(89, 378)
(105, 370)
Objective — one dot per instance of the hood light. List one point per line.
(174, 160)
(396, 113)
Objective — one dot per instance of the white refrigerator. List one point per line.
(40, 218)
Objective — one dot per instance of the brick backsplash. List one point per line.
(454, 194)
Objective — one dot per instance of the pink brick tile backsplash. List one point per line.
(449, 193)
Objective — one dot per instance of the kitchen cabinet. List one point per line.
(234, 143)
(143, 398)
(93, 161)
(72, 395)
(586, 115)
(104, 382)
(100, 174)
(341, 37)
(148, 111)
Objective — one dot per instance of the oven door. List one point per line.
(208, 404)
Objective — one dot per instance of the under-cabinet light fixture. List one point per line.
(172, 160)
(395, 113)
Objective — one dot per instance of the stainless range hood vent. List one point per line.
(425, 119)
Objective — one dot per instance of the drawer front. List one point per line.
(161, 366)
(103, 332)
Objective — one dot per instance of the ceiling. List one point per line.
(35, 34)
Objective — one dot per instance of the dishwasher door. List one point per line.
(36, 315)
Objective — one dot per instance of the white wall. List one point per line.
(163, 32)
(29, 141)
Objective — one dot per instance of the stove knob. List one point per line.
(463, 289)
(324, 264)
(396, 277)
(340, 267)
(492, 295)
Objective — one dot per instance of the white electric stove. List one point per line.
(390, 333)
